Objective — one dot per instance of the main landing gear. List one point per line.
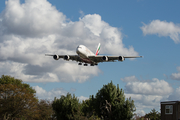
(84, 64)
(87, 64)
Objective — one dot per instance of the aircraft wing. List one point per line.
(65, 57)
(99, 58)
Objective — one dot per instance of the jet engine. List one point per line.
(105, 58)
(121, 58)
(56, 57)
(66, 57)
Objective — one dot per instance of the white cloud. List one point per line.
(162, 28)
(140, 113)
(94, 23)
(31, 19)
(146, 101)
(154, 87)
(80, 74)
(50, 95)
(176, 76)
(81, 98)
(31, 29)
(18, 70)
(109, 37)
(130, 79)
(82, 13)
(175, 95)
(147, 94)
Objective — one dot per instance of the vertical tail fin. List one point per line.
(98, 49)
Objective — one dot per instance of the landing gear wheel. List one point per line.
(85, 65)
(79, 63)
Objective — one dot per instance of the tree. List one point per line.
(110, 103)
(88, 108)
(17, 99)
(153, 115)
(44, 110)
(67, 107)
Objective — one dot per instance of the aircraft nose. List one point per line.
(77, 49)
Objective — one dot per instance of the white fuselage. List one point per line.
(84, 52)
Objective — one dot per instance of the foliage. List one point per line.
(153, 115)
(17, 99)
(44, 110)
(137, 117)
(67, 107)
(88, 106)
(111, 104)
(6, 80)
(88, 109)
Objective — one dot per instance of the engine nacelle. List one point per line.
(56, 57)
(121, 58)
(66, 57)
(105, 58)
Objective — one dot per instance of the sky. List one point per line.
(31, 28)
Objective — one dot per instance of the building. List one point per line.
(170, 110)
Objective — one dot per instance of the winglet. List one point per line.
(98, 49)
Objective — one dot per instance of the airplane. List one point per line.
(86, 56)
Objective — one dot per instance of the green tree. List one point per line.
(153, 115)
(110, 103)
(44, 110)
(17, 99)
(88, 108)
(67, 107)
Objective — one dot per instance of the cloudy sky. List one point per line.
(31, 28)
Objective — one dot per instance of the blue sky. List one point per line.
(30, 28)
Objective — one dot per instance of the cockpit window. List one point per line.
(79, 46)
